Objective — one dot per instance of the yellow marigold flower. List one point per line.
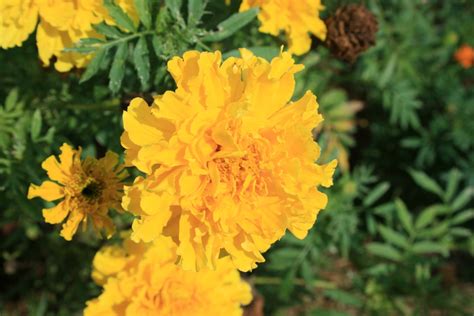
(61, 24)
(89, 188)
(297, 18)
(229, 160)
(142, 279)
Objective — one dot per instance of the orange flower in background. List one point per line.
(142, 279)
(465, 56)
(297, 18)
(61, 24)
(88, 189)
(229, 160)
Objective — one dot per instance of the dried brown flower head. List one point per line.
(351, 30)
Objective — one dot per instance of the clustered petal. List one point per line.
(142, 279)
(88, 189)
(229, 160)
(297, 18)
(61, 24)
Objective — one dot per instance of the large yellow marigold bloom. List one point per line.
(61, 24)
(297, 18)
(142, 279)
(89, 188)
(229, 160)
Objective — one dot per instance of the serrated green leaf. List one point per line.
(157, 47)
(394, 237)
(426, 247)
(119, 16)
(462, 199)
(174, 6)
(287, 285)
(376, 193)
(117, 71)
(453, 182)
(307, 272)
(94, 65)
(144, 12)
(266, 52)
(463, 217)
(109, 31)
(384, 251)
(36, 124)
(231, 25)
(460, 232)
(426, 182)
(404, 216)
(195, 11)
(142, 62)
(11, 100)
(427, 216)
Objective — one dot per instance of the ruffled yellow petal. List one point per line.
(70, 227)
(56, 214)
(48, 191)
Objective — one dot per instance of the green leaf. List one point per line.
(36, 124)
(117, 71)
(426, 247)
(142, 61)
(453, 182)
(11, 100)
(427, 216)
(195, 11)
(462, 199)
(376, 193)
(404, 216)
(119, 16)
(384, 251)
(144, 9)
(307, 272)
(463, 217)
(108, 30)
(388, 71)
(287, 285)
(267, 52)
(460, 232)
(174, 6)
(394, 237)
(343, 297)
(94, 65)
(234, 23)
(426, 182)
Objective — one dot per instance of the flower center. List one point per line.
(92, 190)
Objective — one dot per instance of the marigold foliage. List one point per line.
(61, 24)
(298, 19)
(88, 189)
(142, 279)
(229, 160)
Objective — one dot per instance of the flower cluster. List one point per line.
(61, 24)
(89, 188)
(229, 160)
(142, 279)
(296, 18)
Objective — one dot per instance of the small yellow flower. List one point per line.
(89, 188)
(297, 18)
(61, 24)
(229, 160)
(142, 279)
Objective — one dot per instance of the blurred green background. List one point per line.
(396, 237)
